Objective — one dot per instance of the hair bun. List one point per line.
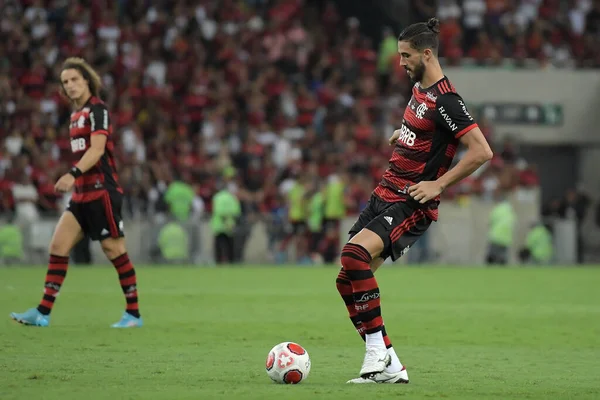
(434, 25)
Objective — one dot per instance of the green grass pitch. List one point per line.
(463, 333)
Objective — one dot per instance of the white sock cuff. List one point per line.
(395, 365)
(375, 339)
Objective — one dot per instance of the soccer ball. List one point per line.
(288, 362)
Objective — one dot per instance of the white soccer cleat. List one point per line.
(376, 360)
(361, 380)
(383, 377)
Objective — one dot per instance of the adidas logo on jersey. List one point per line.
(388, 219)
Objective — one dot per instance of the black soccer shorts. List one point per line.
(398, 224)
(100, 219)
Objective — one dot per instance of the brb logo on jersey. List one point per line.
(78, 145)
(407, 136)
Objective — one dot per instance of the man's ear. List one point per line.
(427, 54)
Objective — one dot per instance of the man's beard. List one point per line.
(418, 72)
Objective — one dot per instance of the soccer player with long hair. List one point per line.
(95, 206)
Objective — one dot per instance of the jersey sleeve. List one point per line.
(99, 120)
(452, 115)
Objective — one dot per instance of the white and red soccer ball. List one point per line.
(288, 362)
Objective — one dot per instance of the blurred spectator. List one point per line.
(11, 242)
(314, 219)
(173, 243)
(539, 247)
(575, 206)
(182, 200)
(25, 196)
(501, 229)
(266, 88)
(226, 211)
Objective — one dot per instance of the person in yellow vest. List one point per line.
(297, 204)
(501, 230)
(174, 243)
(314, 220)
(335, 198)
(539, 246)
(226, 211)
(336, 201)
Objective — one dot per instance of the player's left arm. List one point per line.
(453, 117)
(99, 122)
(478, 153)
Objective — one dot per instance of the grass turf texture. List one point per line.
(463, 334)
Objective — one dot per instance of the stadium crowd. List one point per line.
(256, 92)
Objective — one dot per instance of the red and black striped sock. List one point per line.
(355, 260)
(57, 271)
(344, 287)
(128, 282)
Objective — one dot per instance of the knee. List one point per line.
(344, 287)
(354, 253)
(342, 281)
(113, 248)
(59, 248)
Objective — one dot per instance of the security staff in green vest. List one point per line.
(335, 198)
(226, 210)
(297, 205)
(174, 243)
(314, 218)
(180, 197)
(501, 229)
(539, 247)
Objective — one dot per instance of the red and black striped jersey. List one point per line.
(93, 119)
(433, 122)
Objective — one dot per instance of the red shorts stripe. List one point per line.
(112, 225)
(407, 225)
(403, 227)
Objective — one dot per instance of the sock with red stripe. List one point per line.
(128, 283)
(57, 271)
(365, 291)
(344, 287)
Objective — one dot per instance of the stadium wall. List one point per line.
(460, 236)
(576, 92)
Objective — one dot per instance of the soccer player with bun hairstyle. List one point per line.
(405, 202)
(95, 206)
